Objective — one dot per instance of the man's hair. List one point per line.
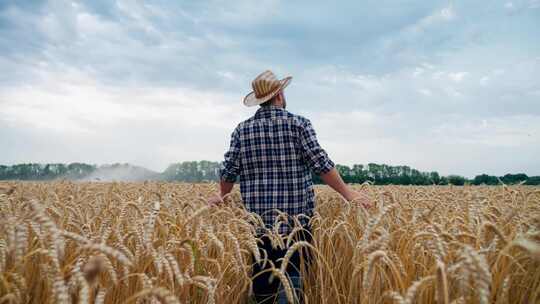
(269, 102)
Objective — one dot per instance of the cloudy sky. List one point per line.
(436, 85)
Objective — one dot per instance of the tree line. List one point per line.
(46, 171)
(208, 171)
(382, 174)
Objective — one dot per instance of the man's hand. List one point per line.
(215, 200)
(333, 179)
(225, 188)
(357, 197)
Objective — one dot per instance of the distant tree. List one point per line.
(201, 171)
(192, 171)
(405, 175)
(456, 180)
(79, 170)
(373, 172)
(359, 174)
(345, 173)
(434, 178)
(416, 177)
(533, 181)
(443, 181)
(485, 179)
(511, 179)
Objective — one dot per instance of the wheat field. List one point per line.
(70, 242)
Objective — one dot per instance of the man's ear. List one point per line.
(283, 99)
(280, 97)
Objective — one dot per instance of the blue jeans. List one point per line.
(296, 285)
(266, 292)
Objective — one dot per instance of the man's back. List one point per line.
(273, 153)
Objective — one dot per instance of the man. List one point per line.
(274, 153)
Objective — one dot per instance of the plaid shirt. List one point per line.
(273, 153)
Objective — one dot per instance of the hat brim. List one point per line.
(251, 100)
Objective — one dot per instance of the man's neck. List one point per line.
(273, 106)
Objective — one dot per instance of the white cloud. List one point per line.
(75, 108)
(458, 76)
(484, 80)
(446, 14)
(162, 82)
(511, 131)
(425, 92)
(418, 71)
(453, 144)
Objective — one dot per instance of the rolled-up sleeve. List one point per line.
(315, 156)
(230, 167)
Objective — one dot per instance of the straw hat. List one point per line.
(265, 86)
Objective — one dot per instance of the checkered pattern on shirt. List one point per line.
(273, 153)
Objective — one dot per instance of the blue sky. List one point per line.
(452, 86)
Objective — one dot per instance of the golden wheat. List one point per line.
(68, 242)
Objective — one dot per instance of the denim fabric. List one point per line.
(266, 292)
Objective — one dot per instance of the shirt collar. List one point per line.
(269, 111)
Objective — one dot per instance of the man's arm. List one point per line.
(313, 154)
(230, 168)
(333, 179)
(319, 162)
(225, 188)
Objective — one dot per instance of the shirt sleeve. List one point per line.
(230, 167)
(315, 156)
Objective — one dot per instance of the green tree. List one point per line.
(485, 179)
(456, 180)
